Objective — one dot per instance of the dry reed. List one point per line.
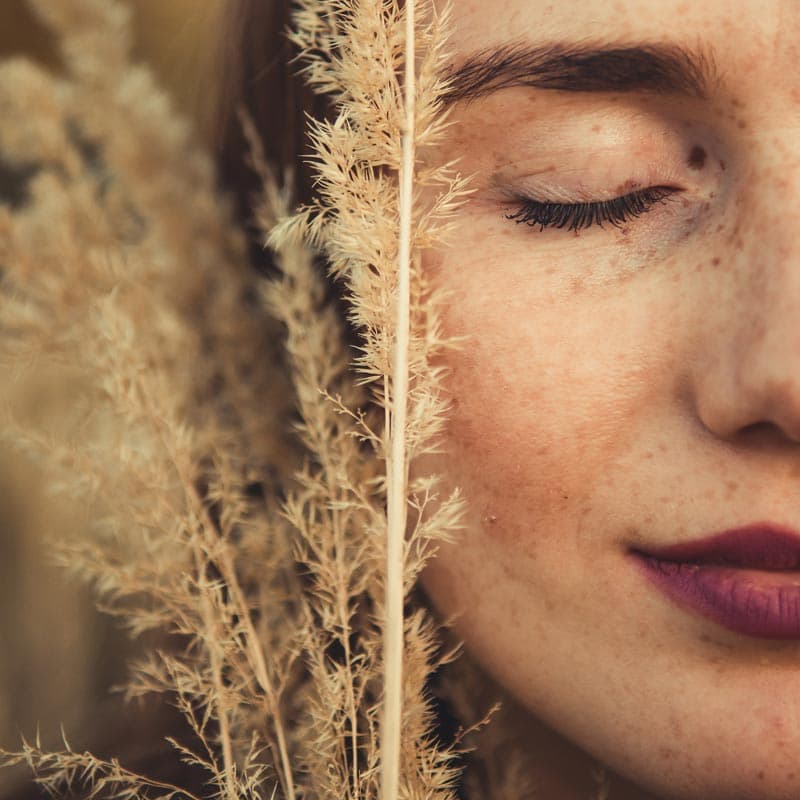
(293, 663)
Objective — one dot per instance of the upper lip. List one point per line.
(761, 545)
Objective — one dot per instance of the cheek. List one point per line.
(521, 438)
(550, 395)
(520, 455)
(505, 449)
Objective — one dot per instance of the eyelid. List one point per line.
(558, 187)
(601, 178)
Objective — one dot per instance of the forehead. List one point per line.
(481, 22)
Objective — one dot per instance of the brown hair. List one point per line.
(258, 74)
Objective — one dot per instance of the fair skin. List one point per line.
(629, 386)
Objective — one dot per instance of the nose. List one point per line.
(747, 373)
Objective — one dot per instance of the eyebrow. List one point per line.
(655, 68)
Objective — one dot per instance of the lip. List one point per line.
(746, 579)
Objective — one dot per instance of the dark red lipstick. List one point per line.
(746, 579)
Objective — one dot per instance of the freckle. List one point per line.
(741, 124)
(715, 261)
(576, 284)
(722, 165)
(720, 227)
(761, 775)
(697, 157)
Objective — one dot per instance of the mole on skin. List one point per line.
(697, 157)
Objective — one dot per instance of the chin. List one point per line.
(698, 775)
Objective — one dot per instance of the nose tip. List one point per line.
(785, 415)
(760, 413)
(776, 419)
(783, 406)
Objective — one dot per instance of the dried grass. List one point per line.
(301, 656)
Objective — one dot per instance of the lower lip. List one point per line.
(754, 602)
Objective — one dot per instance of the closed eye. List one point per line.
(578, 216)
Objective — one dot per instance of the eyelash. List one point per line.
(576, 216)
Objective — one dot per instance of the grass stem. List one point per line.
(397, 471)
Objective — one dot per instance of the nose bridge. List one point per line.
(756, 377)
(765, 240)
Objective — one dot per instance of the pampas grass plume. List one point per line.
(293, 663)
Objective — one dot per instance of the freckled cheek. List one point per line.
(517, 437)
(508, 449)
(527, 497)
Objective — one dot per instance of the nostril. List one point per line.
(768, 433)
(759, 429)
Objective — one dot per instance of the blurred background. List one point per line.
(58, 655)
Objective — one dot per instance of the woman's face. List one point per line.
(630, 386)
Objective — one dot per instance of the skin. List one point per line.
(627, 388)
